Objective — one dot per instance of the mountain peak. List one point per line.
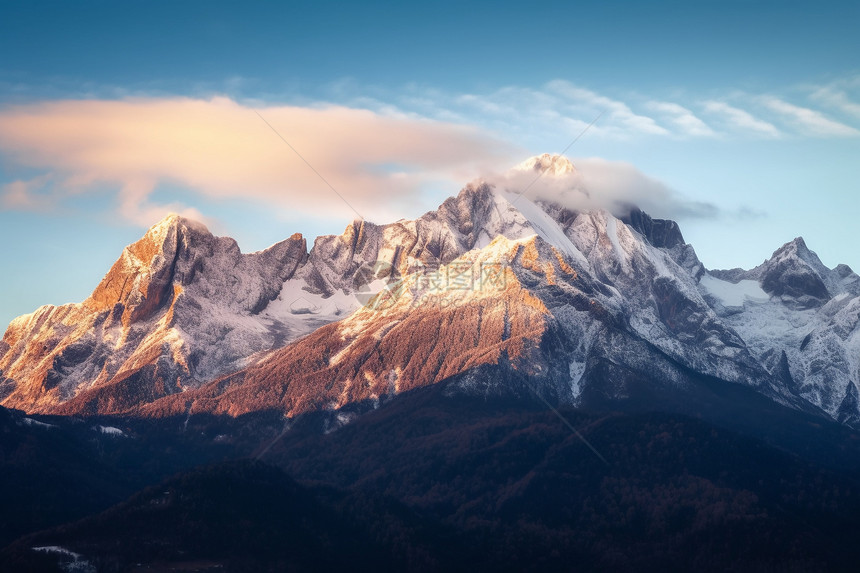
(797, 249)
(795, 246)
(796, 274)
(176, 221)
(557, 165)
(140, 278)
(169, 219)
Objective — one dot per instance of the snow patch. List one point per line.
(545, 226)
(734, 295)
(110, 431)
(37, 423)
(73, 562)
(576, 369)
(612, 234)
(294, 296)
(58, 550)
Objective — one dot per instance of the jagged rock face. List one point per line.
(471, 219)
(174, 311)
(655, 296)
(662, 233)
(805, 314)
(797, 277)
(424, 336)
(793, 273)
(593, 310)
(849, 409)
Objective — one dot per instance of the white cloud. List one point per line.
(683, 118)
(810, 121)
(740, 119)
(616, 111)
(381, 161)
(553, 113)
(611, 185)
(838, 99)
(220, 149)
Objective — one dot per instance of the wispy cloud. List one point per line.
(837, 99)
(221, 149)
(26, 194)
(684, 119)
(551, 112)
(740, 119)
(809, 121)
(617, 111)
(559, 108)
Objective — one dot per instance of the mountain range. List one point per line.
(590, 307)
(504, 383)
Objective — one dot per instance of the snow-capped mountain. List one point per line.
(178, 308)
(800, 318)
(492, 292)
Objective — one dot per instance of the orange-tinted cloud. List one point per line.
(222, 149)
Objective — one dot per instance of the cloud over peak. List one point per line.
(595, 183)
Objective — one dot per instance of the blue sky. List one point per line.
(741, 119)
